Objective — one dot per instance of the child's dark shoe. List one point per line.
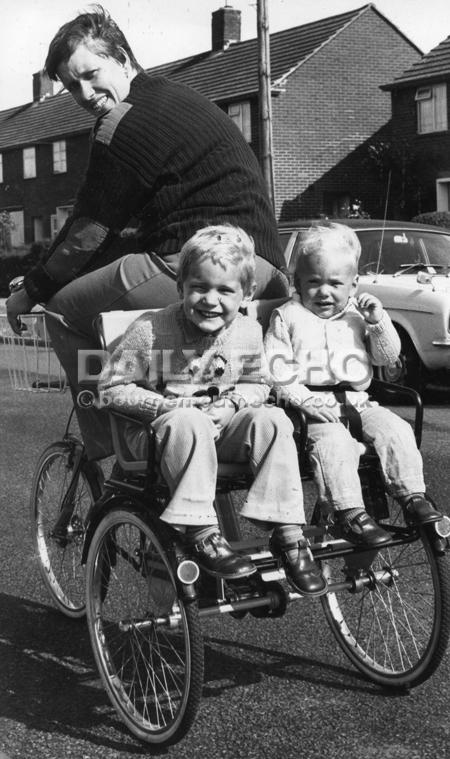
(298, 563)
(360, 530)
(215, 555)
(418, 510)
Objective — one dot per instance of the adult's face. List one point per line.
(96, 81)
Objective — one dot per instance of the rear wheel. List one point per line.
(394, 624)
(58, 537)
(146, 641)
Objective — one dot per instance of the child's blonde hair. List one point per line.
(220, 243)
(320, 237)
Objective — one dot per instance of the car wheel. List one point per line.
(408, 370)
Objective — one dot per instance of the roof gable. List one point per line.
(433, 66)
(233, 72)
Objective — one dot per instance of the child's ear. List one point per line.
(354, 284)
(251, 291)
(180, 288)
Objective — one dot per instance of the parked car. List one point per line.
(407, 266)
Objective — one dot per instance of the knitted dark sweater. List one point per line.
(171, 158)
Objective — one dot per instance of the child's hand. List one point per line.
(221, 412)
(318, 410)
(170, 404)
(369, 307)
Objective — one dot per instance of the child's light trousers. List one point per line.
(189, 446)
(335, 458)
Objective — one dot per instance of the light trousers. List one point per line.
(189, 447)
(335, 458)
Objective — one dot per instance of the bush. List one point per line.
(437, 218)
(18, 265)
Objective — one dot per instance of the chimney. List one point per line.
(42, 86)
(226, 27)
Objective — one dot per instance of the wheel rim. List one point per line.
(394, 372)
(145, 665)
(389, 628)
(60, 559)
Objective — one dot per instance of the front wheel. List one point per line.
(408, 370)
(58, 523)
(146, 640)
(395, 625)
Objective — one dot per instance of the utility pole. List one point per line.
(265, 103)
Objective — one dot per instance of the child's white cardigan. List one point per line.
(302, 349)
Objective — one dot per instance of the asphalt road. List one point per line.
(273, 688)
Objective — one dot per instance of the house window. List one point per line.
(431, 108)
(59, 157)
(29, 163)
(58, 219)
(240, 114)
(38, 228)
(1, 168)
(443, 194)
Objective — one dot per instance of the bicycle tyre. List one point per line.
(60, 558)
(152, 673)
(396, 632)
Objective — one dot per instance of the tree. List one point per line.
(6, 225)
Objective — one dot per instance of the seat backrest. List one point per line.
(111, 325)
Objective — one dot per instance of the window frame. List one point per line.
(431, 108)
(59, 156)
(29, 162)
(243, 117)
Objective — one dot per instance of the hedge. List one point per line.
(437, 218)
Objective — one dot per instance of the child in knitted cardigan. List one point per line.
(321, 346)
(196, 372)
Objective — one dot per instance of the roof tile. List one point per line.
(433, 66)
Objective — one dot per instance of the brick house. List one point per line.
(326, 107)
(419, 151)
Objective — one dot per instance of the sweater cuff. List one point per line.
(379, 327)
(40, 285)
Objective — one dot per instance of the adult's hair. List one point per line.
(222, 244)
(96, 26)
(319, 238)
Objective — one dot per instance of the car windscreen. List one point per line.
(400, 248)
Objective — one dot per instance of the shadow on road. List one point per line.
(50, 683)
(245, 664)
(48, 676)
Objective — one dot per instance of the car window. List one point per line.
(284, 238)
(437, 248)
(398, 248)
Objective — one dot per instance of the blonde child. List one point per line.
(210, 350)
(321, 346)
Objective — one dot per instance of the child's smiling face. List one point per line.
(326, 282)
(213, 294)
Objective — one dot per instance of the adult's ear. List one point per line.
(123, 56)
